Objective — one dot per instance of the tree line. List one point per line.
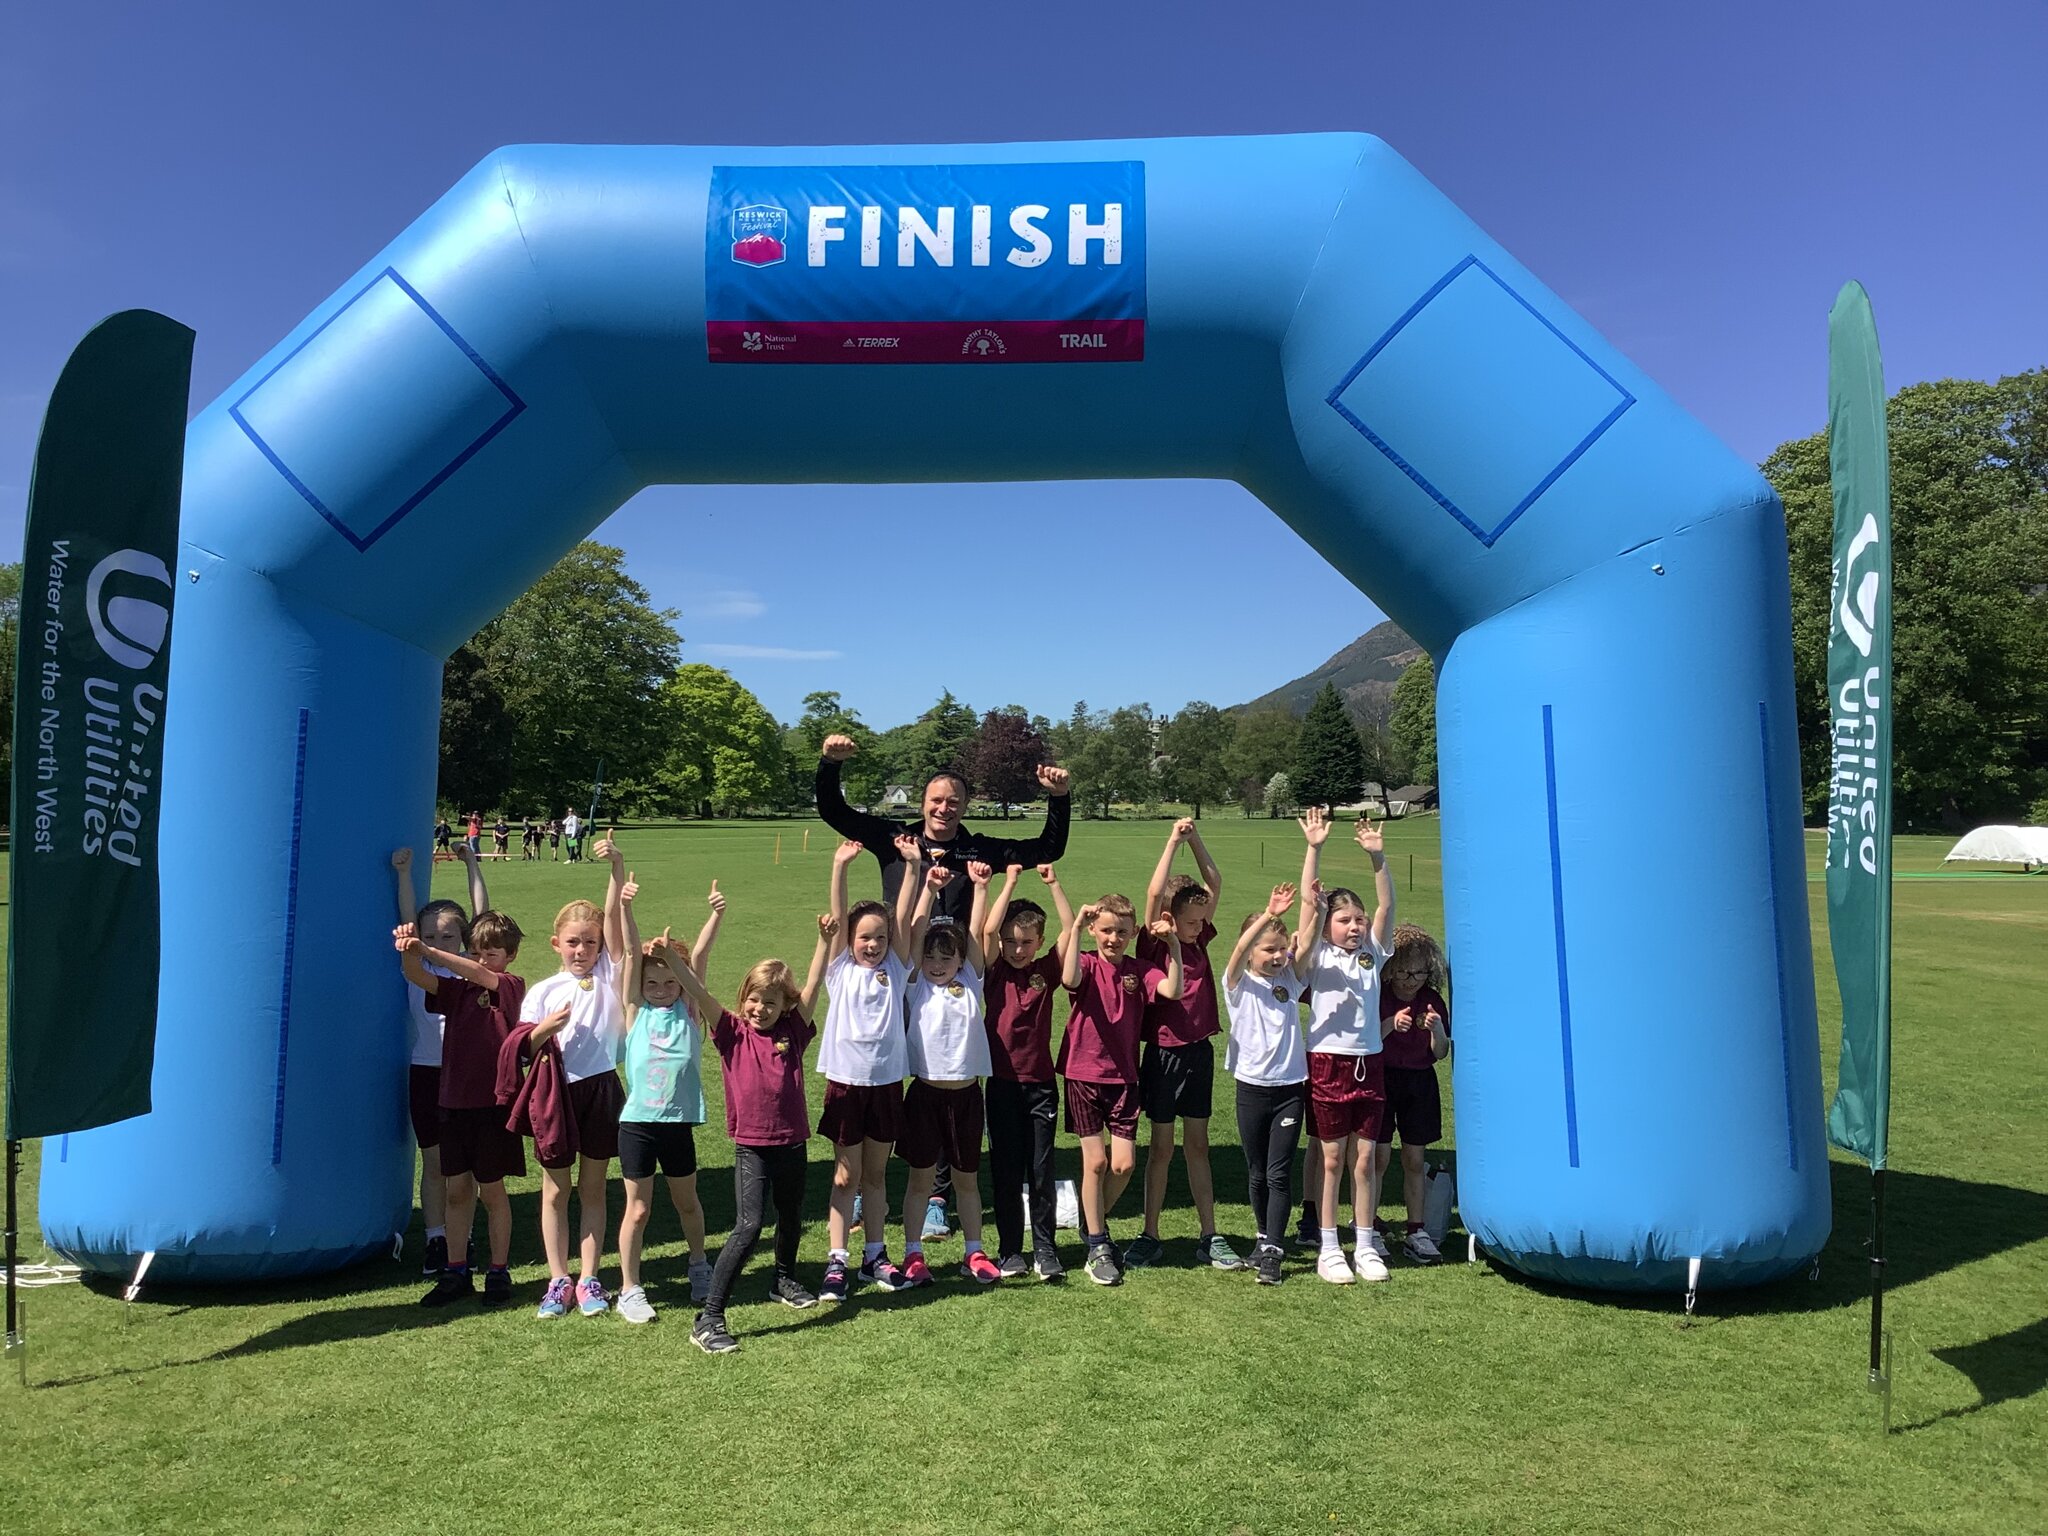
(584, 674)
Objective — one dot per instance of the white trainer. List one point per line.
(1331, 1267)
(634, 1306)
(1370, 1265)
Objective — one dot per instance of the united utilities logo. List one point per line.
(760, 235)
(130, 628)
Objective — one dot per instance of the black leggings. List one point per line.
(1022, 1118)
(1269, 1127)
(760, 1174)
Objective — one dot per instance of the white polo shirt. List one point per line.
(1344, 997)
(1266, 1046)
(948, 1042)
(597, 1021)
(862, 1041)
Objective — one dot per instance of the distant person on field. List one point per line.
(445, 926)
(443, 835)
(578, 1009)
(1339, 955)
(1417, 1028)
(1177, 1073)
(476, 833)
(501, 837)
(1023, 1097)
(572, 831)
(941, 839)
(1108, 989)
(529, 841)
(478, 1000)
(554, 840)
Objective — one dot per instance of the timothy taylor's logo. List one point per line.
(129, 628)
(760, 235)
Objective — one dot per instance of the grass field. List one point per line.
(1452, 1399)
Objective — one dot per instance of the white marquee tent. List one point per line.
(2002, 845)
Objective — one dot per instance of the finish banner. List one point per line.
(926, 263)
(90, 674)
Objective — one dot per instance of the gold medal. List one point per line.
(1280, 994)
(956, 989)
(585, 983)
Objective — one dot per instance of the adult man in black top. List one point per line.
(944, 841)
(940, 834)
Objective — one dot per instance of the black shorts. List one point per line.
(1415, 1107)
(858, 1112)
(645, 1144)
(423, 1104)
(1177, 1082)
(594, 1104)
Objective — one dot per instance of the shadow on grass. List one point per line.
(1933, 1224)
(2003, 1369)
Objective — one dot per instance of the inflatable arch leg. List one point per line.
(1602, 583)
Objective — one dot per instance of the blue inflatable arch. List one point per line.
(1602, 583)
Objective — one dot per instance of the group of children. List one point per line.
(604, 1060)
(534, 835)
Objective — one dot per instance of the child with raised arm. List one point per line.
(762, 1048)
(1023, 1098)
(863, 1059)
(579, 1008)
(1177, 1072)
(1338, 956)
(1416, 1022)
(948, 1056)
(664, 1104)
(478, 1000)
(1109, 988)
(1267, 1058)
(445, 926)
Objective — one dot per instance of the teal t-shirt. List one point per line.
(663, 1081)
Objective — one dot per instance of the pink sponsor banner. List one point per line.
(925, 341)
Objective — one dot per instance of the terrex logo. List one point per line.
(130, 629)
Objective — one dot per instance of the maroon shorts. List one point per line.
(1415, 1108)
(594, 1105)
(475, 1141)
(858, 1112)
(423, 1099)
(941, 1123)
(1095, 1107)
(1347, 1096)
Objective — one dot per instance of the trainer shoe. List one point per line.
(497, 1287)
(1013, 1266)
(936, 1225)
(1143, 1253)
(1331, 1266)
(981, 1267)
(451, 1285)
(834, 1288)
(787, 1290)
(1266, 1265)
(1422, 1248)
(590, 1297)
(881, 1273)
(916, 1273)
(700, 1279)
(708, 1334)
(1045, 1263)
(1370, 1265)
(436, 1258)
(555, 1302)
(634, 1306)
(1101, 1266)
(1217, 1250)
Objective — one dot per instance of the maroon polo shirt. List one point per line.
(764, 1079)
(1191, 1018)
(475, 1022)
(1017, 1012)
(1101, 1042)
(1409, 1048)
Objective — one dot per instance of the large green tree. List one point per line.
(478, 741)
(721, 750)
(580, 660)
(860, 777)
(940, 740)
(1004, 758)
(1969, 473)
(1329, 759)
(1110, 756)
(1411, 729)
(1194, 751)
(1262, 747)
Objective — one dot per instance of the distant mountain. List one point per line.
(1365, 672)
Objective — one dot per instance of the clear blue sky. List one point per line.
(1697, 182)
